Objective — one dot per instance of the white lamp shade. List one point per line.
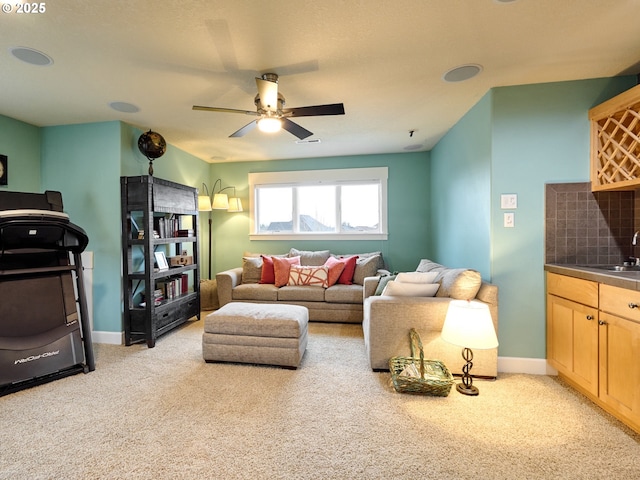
(468, 324)
(220, 201)
(204, 203)
(235, 205)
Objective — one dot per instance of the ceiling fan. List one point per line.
(271, 112)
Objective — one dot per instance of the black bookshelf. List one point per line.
(159, 221)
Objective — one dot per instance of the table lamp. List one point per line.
(469, 325)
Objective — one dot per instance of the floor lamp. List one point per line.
(217, 201)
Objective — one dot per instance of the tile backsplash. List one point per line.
(584, 227)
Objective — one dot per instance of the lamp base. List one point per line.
(467, 389)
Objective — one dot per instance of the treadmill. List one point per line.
(44, 324)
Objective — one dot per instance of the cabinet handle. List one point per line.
(633, 305)
(589, 317)
(602, 322)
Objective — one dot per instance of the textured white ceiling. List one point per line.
(384, 59)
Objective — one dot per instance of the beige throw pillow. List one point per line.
(399, 289)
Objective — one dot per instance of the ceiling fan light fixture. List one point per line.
(269, 124)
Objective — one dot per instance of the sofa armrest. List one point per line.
(369, 287)
(227, 281)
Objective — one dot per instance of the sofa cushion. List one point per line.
(383, 283)
(346, 277)
(312, 258)
(268, 274)
(296, 293)
(251, 269)
(416, 277)
(335, 267)
(340, 293)
(400, 289)
(457, 283)
(255, 291)
(365, 267)
(281, 267)
(308, 275)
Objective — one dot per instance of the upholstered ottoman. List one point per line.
(256, 333)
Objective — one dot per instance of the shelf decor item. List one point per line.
(152, 145)
(417, 375)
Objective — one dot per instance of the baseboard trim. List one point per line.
(110, 338)
(533, 366)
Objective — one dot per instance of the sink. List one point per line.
(615, 268)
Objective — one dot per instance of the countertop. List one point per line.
(628, 280)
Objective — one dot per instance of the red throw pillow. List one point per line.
(268, 274)
(335, 267)
(281, 267)
(346, 277)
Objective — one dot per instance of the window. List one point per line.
(319, 204)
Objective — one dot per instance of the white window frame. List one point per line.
(319, 177)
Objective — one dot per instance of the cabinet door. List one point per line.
(619, 366)
(572, 341)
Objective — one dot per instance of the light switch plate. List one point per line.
(509, 201)
(509, 219)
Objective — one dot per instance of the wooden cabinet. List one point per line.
(593, 340)
(572, 329)
(615, 142)
(159, 221)
(619, 352)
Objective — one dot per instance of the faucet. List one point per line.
(634, 242)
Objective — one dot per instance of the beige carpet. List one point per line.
(163, 413)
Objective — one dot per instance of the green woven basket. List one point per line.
(435, 378)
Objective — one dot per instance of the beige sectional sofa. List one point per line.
(388, 319)
(340, 302)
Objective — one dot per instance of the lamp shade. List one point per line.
(204, 203)
(235, 205)
(220, 201)
(468, 324)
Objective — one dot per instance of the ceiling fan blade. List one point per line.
(223, 110)
(268, 92)
(244, 130)
(295, 129)
(315, 110)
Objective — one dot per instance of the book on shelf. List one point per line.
(158, 297)
(174, 287)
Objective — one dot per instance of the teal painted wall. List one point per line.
(460, 192)
(408, 211)
(521, 137)
(83, 162)
(20, 142)
(540, 135)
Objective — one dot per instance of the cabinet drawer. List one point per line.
(620, 301)
(576, 289)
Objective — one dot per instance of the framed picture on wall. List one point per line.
(4, 172)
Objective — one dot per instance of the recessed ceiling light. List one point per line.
(415, 146)
(124, 107)
(461, 73)
(31, 56)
